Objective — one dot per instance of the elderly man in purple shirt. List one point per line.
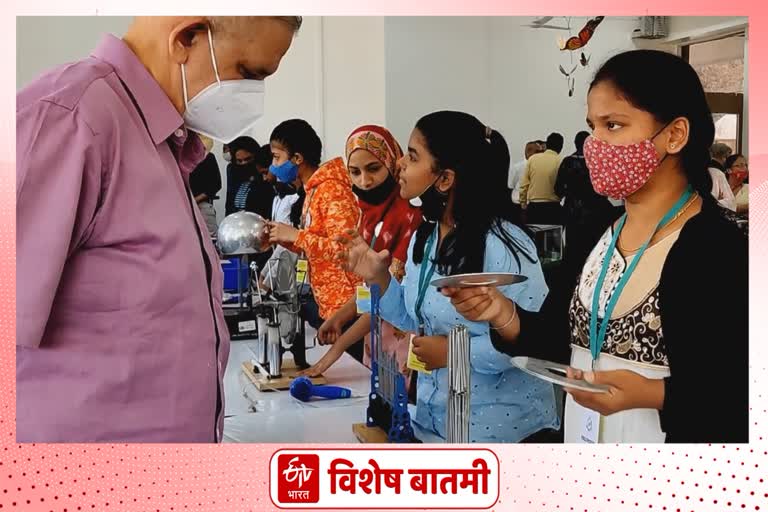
(120, 331)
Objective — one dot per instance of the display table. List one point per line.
(309, 424)
(253, 416)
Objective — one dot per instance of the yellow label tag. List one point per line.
(302, 267)
(363, 299)
(414, 363)
(363, 293)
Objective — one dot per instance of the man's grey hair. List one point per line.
(294, 21)
(720, 151)
(230, 24)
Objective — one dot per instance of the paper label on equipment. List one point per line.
(302, 267)
(414, 363)
(363, 299)
(247, 326)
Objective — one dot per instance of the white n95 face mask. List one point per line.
(225, 109)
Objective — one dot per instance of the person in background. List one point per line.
(234, 178)
(645, 315)
(247, 190)
(263, 162)
(329, 209)
(205, 183)
(538, 199)
(516, 173)
(373, 157)
(738, 175)
(457, 167)
(120, 332)
(226, 154)
(585, 212)
(286, 209)
(721, 190)
(719, 152)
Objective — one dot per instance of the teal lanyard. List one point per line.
(596, 337)
(424, 278)
(381, 221)
(375, 236)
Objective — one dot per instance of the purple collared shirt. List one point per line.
(120, 331)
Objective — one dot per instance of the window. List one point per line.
(720, 65)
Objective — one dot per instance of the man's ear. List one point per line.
(184, 36)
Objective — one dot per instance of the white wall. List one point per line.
(529, 94)
(505, 74)
(43, 42)
(345, 71)
(332, 76)
(435, 63)
(354, 77)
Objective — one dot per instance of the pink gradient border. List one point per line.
(534, 478)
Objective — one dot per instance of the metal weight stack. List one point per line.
(261, 342)
(274, 350)
(457, 416)
(388, 398)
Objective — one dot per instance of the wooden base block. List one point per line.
(366, 434)
(282, 383)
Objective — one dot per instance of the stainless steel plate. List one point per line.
(555, 373)
(479, 279)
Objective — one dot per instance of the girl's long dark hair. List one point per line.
(480, 160)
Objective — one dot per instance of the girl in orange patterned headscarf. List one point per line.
(388, 222)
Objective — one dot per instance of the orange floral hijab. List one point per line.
(380, 143)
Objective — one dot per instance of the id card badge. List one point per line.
(590, 426)
(302, 267)
(363, 299)
(413, 362)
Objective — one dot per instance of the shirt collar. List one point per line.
(162, 118)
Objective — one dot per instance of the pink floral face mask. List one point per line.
(620, 171)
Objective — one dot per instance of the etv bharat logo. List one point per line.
(298, 478)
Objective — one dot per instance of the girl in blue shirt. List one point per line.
(455, 170)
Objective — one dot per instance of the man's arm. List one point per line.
(58, 186)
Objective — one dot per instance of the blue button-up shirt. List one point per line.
(507, 405)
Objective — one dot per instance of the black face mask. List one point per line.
(378, 195)
(432, 203)
(284, 189)
(248, 169)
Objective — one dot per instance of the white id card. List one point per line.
(590, 426)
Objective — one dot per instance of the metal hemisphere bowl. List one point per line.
(243, 233)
